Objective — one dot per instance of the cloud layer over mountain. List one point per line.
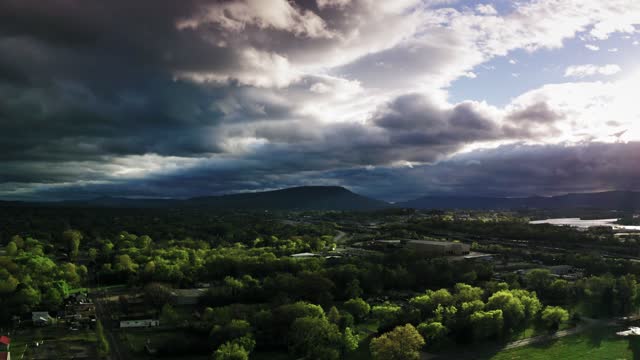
(177, 99)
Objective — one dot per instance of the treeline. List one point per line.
(264, 271)
(215, 228)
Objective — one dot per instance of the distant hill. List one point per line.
(296, 198)
(611, 200)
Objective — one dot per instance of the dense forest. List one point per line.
(259, 299)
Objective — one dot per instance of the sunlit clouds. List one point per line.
(136, 99)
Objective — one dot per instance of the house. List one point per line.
(187, 296)
(561, 269)
(40, 318)
(139, 323)
(5, 343)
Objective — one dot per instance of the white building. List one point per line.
(139, 323)
(40, 318)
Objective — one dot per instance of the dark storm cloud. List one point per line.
(93, 91)
(89, 79)
(539, 112)
(412, 119)
(510, 170)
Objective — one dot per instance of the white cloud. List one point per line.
(591, 110)
(332, 3)
(613, 50)
(486, 9)
(592, 47)
(261, 69)
(512, 61)
(276, 14)
(581, 71)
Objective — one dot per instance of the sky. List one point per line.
(391, 99)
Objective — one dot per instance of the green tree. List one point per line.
(70, 274)
(468, 308)
(467, 293)
(126, 264)
(143, 242)
(231, 351)
(93, 254)
(12, 249)
(401, 343)
(626, 289)
(512, 308)
(350, 340)
(315, 338)
(539, 280)
(434, 333)
(28, 298)
(168, 315)
(358, 308)
(334, 315)
(52, 297)
(553, 316)
(387, 313)
(428, 302)
(235, 330)
(558, 292)
(487, 324)
(353, 289)
(445, 314)
(18, 240)
(72, 240)
(8, 283)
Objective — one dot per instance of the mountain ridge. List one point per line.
(294, 198)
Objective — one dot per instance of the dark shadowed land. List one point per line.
(192, 282)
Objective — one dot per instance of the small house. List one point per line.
(5, 343)
(40, 318)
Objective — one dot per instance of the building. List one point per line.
(561, 270)
(40, 318)
(304, 255)
(5, 343)
(187, 296)
(139, 323)
(438, 248)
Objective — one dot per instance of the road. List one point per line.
(338, 238)
(104, 311)
(545, 338)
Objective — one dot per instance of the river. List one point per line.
(584, 224)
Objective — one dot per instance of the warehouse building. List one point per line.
(438, 248)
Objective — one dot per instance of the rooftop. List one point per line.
(5, 340)
(432, 242)
(195, 292)
(305, 254)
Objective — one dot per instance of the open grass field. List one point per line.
(59, 343)
(601, 344)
